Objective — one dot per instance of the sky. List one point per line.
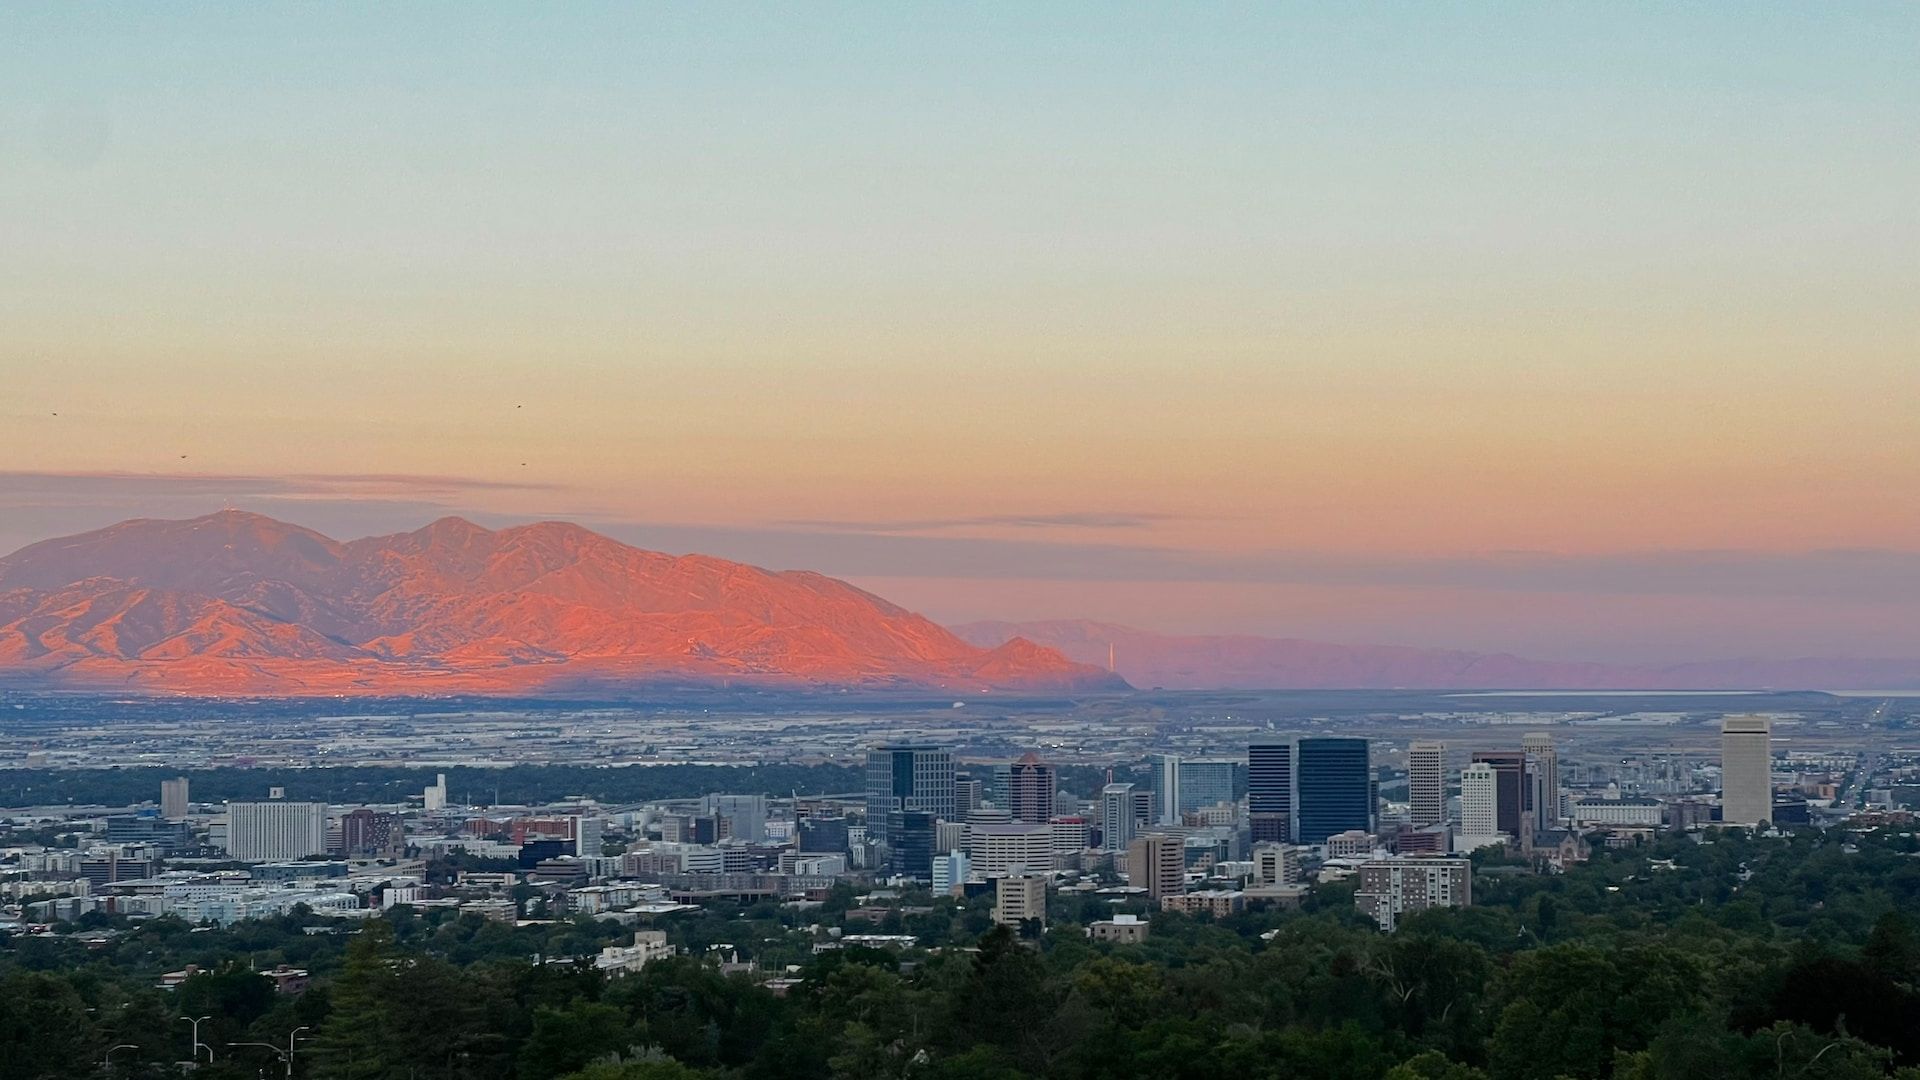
(1578, 331)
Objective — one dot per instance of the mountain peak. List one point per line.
(557, 530)
(452, 523)
(451, 529)
(237, 520)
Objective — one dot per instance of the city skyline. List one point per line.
(959, 542)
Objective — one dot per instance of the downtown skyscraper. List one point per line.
(1270, 791)
(1427, 783)
(1333, 788)
(1513, 793)
(1746, 770)
(1030, 790)
(907, 777)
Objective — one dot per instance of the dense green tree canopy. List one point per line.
(1724, 957)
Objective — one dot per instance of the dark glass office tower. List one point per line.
(907, 778)
(1333, 786)
(823, 834)
(910, 844)
(1270, 791)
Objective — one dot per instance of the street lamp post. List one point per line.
(106, 1059)
(196, 1021)
(285, 1055)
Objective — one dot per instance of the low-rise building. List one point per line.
(1119, 930)
(648, 946)
(1627, 810)
(1354, 843)
(1218, 903)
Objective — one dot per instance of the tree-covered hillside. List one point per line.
(1730, 958)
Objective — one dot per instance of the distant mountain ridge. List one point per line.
(1221, 662)
(238, 603)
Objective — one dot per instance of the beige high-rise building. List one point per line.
(173, 798)
(1276, 864)
(1427, 783)
(1157, 862)
(1746, 770)
(1543, 773)
(1017, 899)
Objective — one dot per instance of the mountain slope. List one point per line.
(240, 603)
(1177, 662)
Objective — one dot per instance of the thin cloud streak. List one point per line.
(1074, 520)
(19, 486)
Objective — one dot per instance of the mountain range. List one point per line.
(235, 603)
(1222, 662)
(240, 604)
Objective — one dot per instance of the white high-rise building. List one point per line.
(1427, 783)
(950, 871)
(1479, 807)
(1390, 888)
(435, 797)
(1069, 839)
(587, 831)
(1746, 770)
(173, 798)
(276, 830)
(1116, 816)
(996, 850)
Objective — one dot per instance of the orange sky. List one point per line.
(1287, 283)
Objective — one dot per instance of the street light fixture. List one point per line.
(196, 1021)
(106, 1059)
(285, 1055)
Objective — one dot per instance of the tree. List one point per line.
(401, 1015)
(1433, 1065)
(1893, 949)
(639, 1070)
(44, 1028)
(356, 1043)
(570, 1038)
(1005, 1001)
